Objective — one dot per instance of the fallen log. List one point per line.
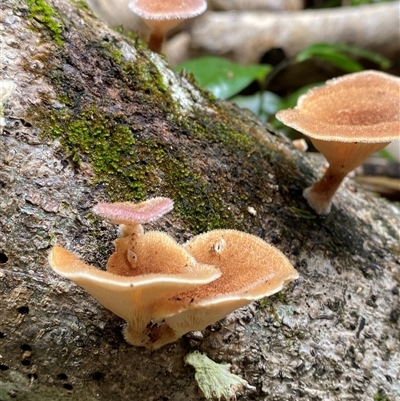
(95, 117)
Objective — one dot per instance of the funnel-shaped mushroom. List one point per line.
(159, 269)
(132, 215)
(161, 16)
(251, 269)
(347, 120)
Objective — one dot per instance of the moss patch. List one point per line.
(42, 12)
(120, 137)
(381, 397)
(130, 168)
(82, 5)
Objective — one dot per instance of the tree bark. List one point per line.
(96, 116)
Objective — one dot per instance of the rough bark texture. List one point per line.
(97, 117)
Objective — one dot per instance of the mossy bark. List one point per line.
(96, 116)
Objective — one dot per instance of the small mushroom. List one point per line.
(251, 269)
(153, 268)
(347, 120)
(131, 216)
(161, 16)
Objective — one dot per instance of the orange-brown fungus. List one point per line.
(161, 16)
(251, 269)
(347, 120)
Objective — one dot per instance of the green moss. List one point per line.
(41, 11)
(299, 334)
(132, 36)
(215, 130)
(380, 396)
(119, 143)
(141, 74)
(280, 297)
(82, 4)
(110, 148)
(264, 302)
(130, 168)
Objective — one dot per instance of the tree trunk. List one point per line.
(96, 116)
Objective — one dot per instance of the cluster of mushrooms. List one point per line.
(347, 120)
(163, 289)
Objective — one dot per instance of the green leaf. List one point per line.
(385, 154)
(305, 214)
(340, 60)
(382, 61)
(361, 2)
(342, 55)
(222, 77)
(263, 104)
(290, 101)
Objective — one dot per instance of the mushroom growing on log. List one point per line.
(347, 120)
(161, 16)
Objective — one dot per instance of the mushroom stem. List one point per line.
(319, 195)
(156, 41)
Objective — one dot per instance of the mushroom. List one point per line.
(162, 15)
(251, 269)
(144, 270)
(132, 215)
(347, 120)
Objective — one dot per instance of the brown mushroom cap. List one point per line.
(167, 10)
(251, 269)
(248, 264)
(161, 16)
(347, 120)
(134, 213)
(152, 253)
(358, 107)
(133, 297)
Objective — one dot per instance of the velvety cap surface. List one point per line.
(359, 107)
(134, 213)
(166, 10)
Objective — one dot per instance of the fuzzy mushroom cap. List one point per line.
(134, 213)
(249, 265)
(133, 297)
(251, 269)
(358, 107)
(167, 10)
(152, 253)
